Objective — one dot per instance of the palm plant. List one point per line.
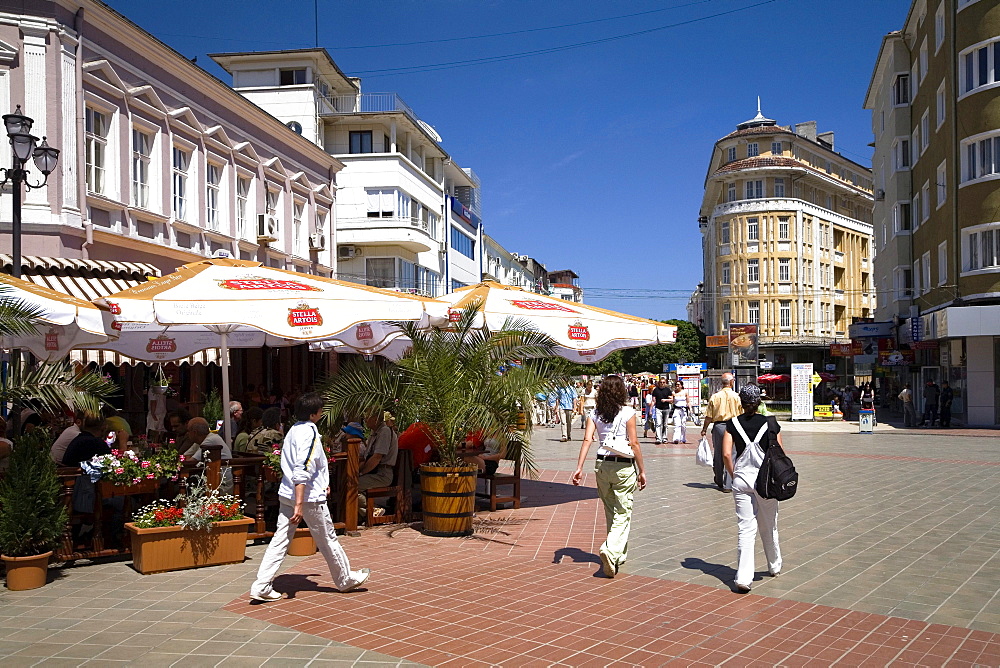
(457, 380)
(49, 386)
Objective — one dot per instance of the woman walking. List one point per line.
(743, 445)
(680, 413)
(617, 476)
(588, 402)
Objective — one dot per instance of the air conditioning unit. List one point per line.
(267, 228)
(348, 252)
(317, 242)
(879, 195)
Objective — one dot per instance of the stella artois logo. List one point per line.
(114, 308)
(454, 315)
(161, 344)
(588, 353)
(260, 283)
(304, 316)
(52, 339)
(115, 325)
(364, 332)
(539, 305)
(579, 332)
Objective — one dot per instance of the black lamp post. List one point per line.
(24, 145)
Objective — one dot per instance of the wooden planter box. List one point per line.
(163, 549)
(302, 545)
(448, 495)
(109, 490)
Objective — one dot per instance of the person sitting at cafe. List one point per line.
(200, 436)
(380, 454)
(251, 422)
(263, 439)
(235, 416)
(89, 442)
(116, 423)
(177, 438)
(58, 449)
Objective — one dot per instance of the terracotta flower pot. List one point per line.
(174, 548)
(302, 544)
(26, 572)
(448, 495)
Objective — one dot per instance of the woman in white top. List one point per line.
(588, 402)
(617, 476)
(680, 413)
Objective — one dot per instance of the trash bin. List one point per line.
(866, 421)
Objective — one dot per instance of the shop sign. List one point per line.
(841, 349)
(720, 341)
(364, 332)
(924, 345)
(916, 329)
(862, 330)
(52, 339)
(766, 366)
(896, 358)
(743, 344)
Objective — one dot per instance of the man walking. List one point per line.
(724, 405)
(947, 396)
(663, 401)
(305, 484)
(932, 393)
(909, 413)
(567, 399)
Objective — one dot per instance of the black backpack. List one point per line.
(777, 478)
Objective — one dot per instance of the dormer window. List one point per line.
(292, 77)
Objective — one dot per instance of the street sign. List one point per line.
(816, 380)
(802, 396)
(766, 366)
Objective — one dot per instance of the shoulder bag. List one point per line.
(616, 443)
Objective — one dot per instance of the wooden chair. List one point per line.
(400, 489)
(495, 480)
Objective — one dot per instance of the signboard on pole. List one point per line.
(743, 344)
(802, 396)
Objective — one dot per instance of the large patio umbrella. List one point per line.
(64, 321)
(582, 333)
(226, 296)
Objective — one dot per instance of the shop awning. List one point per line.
(102, 357)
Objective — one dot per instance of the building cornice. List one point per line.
(792, 204)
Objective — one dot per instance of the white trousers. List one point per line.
(662, 416)
(680, 424)
(751, 510)
(317, 517)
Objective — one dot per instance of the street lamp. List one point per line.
(24, 145)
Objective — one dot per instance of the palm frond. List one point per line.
(55, 386)
(17, 317)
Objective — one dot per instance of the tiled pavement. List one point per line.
(891, 557)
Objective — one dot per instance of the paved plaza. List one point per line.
(891, 557)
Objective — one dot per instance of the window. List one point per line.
(784, 270)
(808, 270)
(213, 178)
(727, 314)
(925, 201)
(982, 158)
(754, 189)
(942, 183)
(455, 285)
(181, 160)
(753, 149)
(731, 154)
(724, 233)
(925, 131)
(940, 104)
(916, 210)
(753, 271)
(95, 149)
(463, 243)
(779, 187)
(776, 148)
(725, 273)
(272, 202)
(753, 312)
(915, 146)
(939, 27)
(407, 275)
(785, 314)
(984, 249)
(380, 272)
(731, 192)
(386, 144)
(942, 263)
(753, 230)
(916, 276)
(783, 229)
(978, 67)
(901, 219)
(901, 154)
(901, 90)
(923, 60)
(291, 77)
(914, 81)
(142, 146)
(926, 267)
(361, 141)
(387, 203)
(298, 239)
(242, 198)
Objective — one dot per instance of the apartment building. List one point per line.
(565, 284)
(407, 216)
(504, 267)
(786, 230)
(934, 97)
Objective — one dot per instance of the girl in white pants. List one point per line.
(743, 447)
(680, 413)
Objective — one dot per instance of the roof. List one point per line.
(326, 62)
(759, 130)
(760, 161)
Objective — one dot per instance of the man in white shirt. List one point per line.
(65, 438)
(305, 485)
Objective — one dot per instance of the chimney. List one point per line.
(807, 130)
(825, 138)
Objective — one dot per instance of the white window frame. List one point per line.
(897, 218)
(753, 229)
(901, 158)
(753, 271)
(914, 80)
(925, 131)
(731, 192)
(753, 312)
(939, 27)
(727, 314)
(915, 146)
(972, 164)
(896, 92)
(141, 166)
(785, 314)
(915, 211)
(731, 154)
(753, 149)
(975, 258)
(96, 149)
(298, 238)
(777, 148)
(726, 273)
(923, 59)
(941, 106)
(784, 229)
(754, 189)
(925, 281)
(925, 200)
(180, 176)
(779, 187)
(969, 57)
(784, 270)
(943, 262)
(941, 183)
(725, 237)
(244, 213)
(213, 195)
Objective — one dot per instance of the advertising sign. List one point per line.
(802, 396)
(841, 350)
(896, 358)
(916, 329)
(743, 344)
(720, 341)
(862, 330)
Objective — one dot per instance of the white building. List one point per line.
(407, 216)
(504, 267)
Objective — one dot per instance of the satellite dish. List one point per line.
(294, 126)
(431, 131)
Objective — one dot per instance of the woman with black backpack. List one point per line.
(743, 445)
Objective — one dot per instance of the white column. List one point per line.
(392, 135)
(35, 85)
(67, 166)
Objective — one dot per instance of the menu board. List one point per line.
(802, 396)
(743, 344)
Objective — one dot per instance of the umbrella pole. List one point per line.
(225, 389)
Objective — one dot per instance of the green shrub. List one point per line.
(32, 514)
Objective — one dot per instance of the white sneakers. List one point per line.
(267, 597)
(608, 567)
(358, 578)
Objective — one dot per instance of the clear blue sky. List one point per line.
(591, 158)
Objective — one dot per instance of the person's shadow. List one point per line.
(725, 574)
(700, 485)
(578, 556)
(290, 584)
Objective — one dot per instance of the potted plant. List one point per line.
(212, 409)
(205, 529)
(32, 516)
(124, 472)
(458, 381)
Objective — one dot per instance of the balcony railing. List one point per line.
(371, 103)
(838, 256)
(403, 221)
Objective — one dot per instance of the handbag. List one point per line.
(616, 443)
(704, 454)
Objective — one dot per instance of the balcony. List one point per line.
(375, 103)
(838, 295)
(864, 263)
(412, 234)
(838, 256)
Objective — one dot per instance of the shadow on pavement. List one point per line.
(538, 493)
(701, 485)
(290, 584)
(725, 574)
(577, 555)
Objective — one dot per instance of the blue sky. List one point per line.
(591, 158)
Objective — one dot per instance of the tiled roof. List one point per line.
(760, 161)
(759, 130)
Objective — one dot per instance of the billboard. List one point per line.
(802, 396)
(743, 344)
(714, 341)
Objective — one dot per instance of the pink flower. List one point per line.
(119, 471)
(136, 481)
(173, 478)
(276, 452)
(116, 453)
(150, 476)
(145, 465)
(182, 458)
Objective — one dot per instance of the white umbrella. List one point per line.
(65, 322)
(393, 348)
(227, 296)
(582, 333)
